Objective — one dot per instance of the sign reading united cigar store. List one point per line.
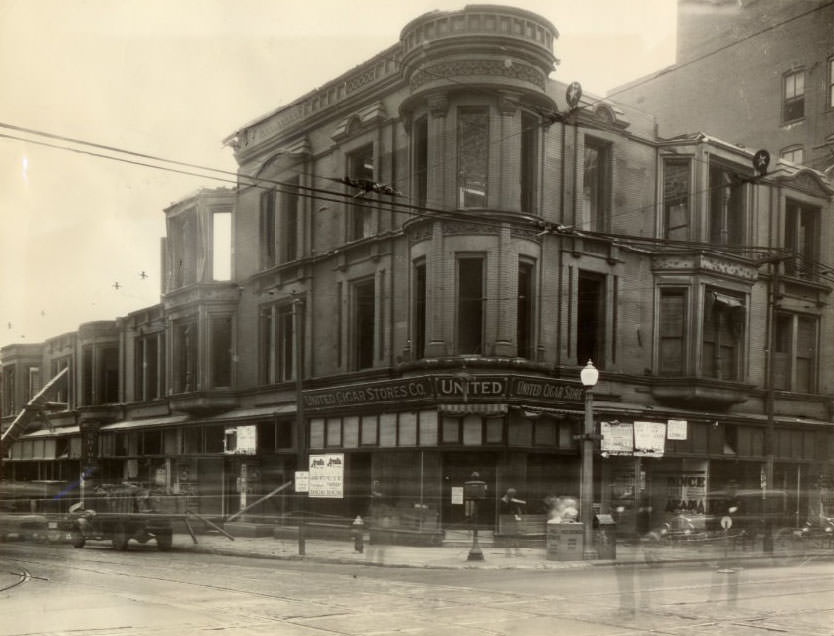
(446, 388)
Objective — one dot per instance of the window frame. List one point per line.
(789, 154)
(596, 218)
(805, 245)
(289, 221)
(363, 323)
(463, 141)
(792, 96)
(670, 202)
(359, 220)
(464, 306)
(419, 308)
(683, 292)
(724, 233)
(719, 305)
(786, 352)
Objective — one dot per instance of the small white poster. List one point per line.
(327, 476)
(302, 481)
(617, 438)
(457, 495)
(649, 439)
(676, 429)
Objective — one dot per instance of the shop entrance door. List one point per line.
(457, 469)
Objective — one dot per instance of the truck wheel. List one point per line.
(77, 538)
(164, 540)
(120, 537)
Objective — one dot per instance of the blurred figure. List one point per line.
(511, 507)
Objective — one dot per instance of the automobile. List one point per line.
(23, 527)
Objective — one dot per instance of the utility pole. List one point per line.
(300, 427)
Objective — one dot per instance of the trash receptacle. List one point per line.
(565, 541)
(605, 536)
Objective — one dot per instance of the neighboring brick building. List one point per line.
(436, 306)
(756, 72)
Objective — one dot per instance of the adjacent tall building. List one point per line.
(425, 251)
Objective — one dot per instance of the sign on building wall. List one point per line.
(302, 481)
(241, 440)
(676, 429)
(327, 476)
(617, 438)
(649, 439)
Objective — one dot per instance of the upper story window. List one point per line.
(726, 206)
(802, 238)
(677, 187)
(184, 354)
(590, 319)
(149, 373)
(529, 162)
(221, 245)
(473, 157)
(524, 310)
(277, 348)
(360, 165)
(64, 392)
(182, 237)
(793, 105)
(794, 154)
(363, 324)
(470, 322)
(220, 351)
(9, 387)
(794, 352)
(672, 330)
(420, 160)
(99, 374)
(723, 335)
(288, 230)
(831, 82)
(267, 229)
(596, 185)
(418, 342)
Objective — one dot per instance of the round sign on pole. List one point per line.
(726, 522)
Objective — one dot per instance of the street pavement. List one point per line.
(457, 550)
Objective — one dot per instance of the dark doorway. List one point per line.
(458, 468)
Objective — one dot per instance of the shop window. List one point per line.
(802, 239)
(220, 337)
(450, 430)
(317, 433)
(370, 431)
(360, 166)
(106, 444)
(544, 433)
(407, 429)
(289, 211)
(596, 185)
(170, 441)
(473, 157)
(495, 430)
(350, 431)
(285, 438)
(152, 443)
(420, 160)
(793, 105)
(334, 432)
(428, 428)
(794, 352)
(726, 206)
(590, 319)
(192, 440)
(524, 310)
(121, 445)
(266, 437)
(677, 187)
(388, 430)
(149, 370)
(723, 335)
(185, 356)
(520, 432)
(364, 325)
(221, 246)
(418, 342)
(214, 437)
(267, 229)
(529, 162)
(472, 430)
(63, 393)
(470, 305)
(672, 331)
(566, 440)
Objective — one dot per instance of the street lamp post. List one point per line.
(589, 376)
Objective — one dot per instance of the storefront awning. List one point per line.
(56, 432)
(472, 409)
(253, 413)
(148, 422)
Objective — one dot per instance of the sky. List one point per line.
(173, 79)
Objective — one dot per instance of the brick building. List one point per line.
(755, 72)
(425, 251)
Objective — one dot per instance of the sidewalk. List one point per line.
(455, 552)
